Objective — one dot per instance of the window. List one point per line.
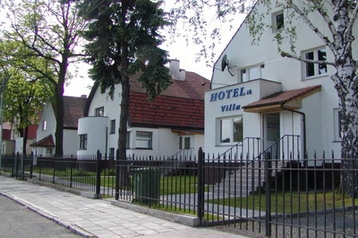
(44, 125)
(143, 140)
(111, 153)
(251, 73)
(83, 142)
(99, 112)
(112, 128)
(184, 143)
(128, 140)
(278, 21)
(337, 124)
(231, 129)
(314, 69)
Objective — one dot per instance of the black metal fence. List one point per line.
(277, 193)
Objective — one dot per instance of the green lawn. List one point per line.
(291, 202)
(168, 184)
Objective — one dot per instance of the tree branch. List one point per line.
(315, 29)
(288, 55)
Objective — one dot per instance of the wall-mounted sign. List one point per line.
(229, 93)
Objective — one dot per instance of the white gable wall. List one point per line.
(48, 117)
(318, 108)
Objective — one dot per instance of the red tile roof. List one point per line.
(283, 97)
(180, 106)
(192, 87)
(73, 110)
(32, 132)
(44, 142)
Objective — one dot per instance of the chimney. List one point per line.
(175, 71)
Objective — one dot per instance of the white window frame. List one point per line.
(83, 141)
(112, 127)
(317, 68)
(275, 26)
(99, 112)
(44, 125)
(337, 124)
(184, 142)
(227, 133)
(250, 73)
(144, 140)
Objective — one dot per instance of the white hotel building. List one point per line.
(255, 92)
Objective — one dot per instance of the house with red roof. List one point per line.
(11, 140)
(172, 123)
(45, 134)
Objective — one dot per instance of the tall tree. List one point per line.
(49, 30)
(25, 93)
(340, 18)
(23, 102)
(124, 40)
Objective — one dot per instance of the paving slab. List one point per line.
(96, 217)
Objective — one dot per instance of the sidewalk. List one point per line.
(96, 217)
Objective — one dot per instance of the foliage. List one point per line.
(48, 31)
(24, 100)
(124, 40)
(25, 94)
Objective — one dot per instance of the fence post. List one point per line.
(117, 175)
(200, 186)
(17, 165)
(31, 163)
(98, 174)
(268, 193)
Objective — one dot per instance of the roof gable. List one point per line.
(73, 110)
(192, 87)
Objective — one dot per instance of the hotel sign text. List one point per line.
(228, 94)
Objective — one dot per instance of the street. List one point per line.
(17, 221)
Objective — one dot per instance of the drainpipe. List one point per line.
(304, 127)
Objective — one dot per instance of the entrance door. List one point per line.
(271, 131)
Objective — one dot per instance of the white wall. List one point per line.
(318, 108)
(95, 128)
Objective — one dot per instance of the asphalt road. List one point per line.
(17, 221)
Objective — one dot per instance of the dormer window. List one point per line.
(278, 22)
(99, 112)
(251, 73)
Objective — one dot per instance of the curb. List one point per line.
(182, 219)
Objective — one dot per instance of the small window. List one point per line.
(83, 142)
(184, 143)
(231, 129)
(99, 112)
(112, 128)
(337, 124)
(111, 153)
(143, 140)
(278, 21)
(128, 140)
(315, 69)
(251, 73)
(187, 143)
(44, 125)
